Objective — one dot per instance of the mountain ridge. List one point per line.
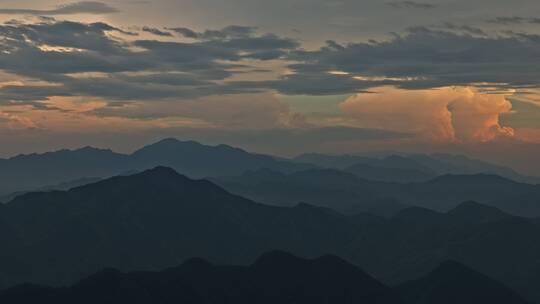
(275, 277)
(158, 218)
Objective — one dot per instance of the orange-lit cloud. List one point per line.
(13, 121)
(246, 111)
(450, 114)
(89, 115)
(76, 115)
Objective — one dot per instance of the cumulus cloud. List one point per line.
(444, 115)
(82, 7)
(475, 116)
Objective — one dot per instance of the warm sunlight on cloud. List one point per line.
(76, 115)
(246, 111)
(13, 121)
(450, 114)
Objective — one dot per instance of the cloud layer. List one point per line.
(100, 60)
(83, 7)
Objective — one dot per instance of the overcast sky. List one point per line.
(280, 77)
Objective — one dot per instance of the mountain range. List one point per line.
(275, 277)
(32, 172)
(158, 218)
(350, 194)
(25, 173)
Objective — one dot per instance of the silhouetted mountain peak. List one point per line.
(283, 261)
(168, 145)
(276, 258)
(160, 179)
(87, 151)
(472, 179)
(262, 174)
(192, 265)
(196, 262)
(451, 267)
(416, 214)
(325, 173)
(471, 210)
(452, 282)
(90, 149)
(161, 172)
(173, 145)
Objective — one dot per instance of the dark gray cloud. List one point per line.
(509, 20)
(464, 28)
(420, 58)
(156, 31)
(82, 7)
(411, 4)
(233, 31)
(57, 51)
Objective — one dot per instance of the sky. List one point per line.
(282, 77)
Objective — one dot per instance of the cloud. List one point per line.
(476, 117)
(411, 4)
(74, 58)
(461, 114)
(246, 111)
(156, 31)
(421, 58)
(259, 121)
(463, 28)
(140, 77)
(13, 121)
(509, 20)
(82, 7)
(229, 32)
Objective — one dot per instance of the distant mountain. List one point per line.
(445, 192)
(350, 194)
(329, 188)
(333, 161)
(412, 168)
(453, 283)
(276, 277)
(197, 160)
(461, 165)
(389, 174)
(36, 171)
(62, 186)
(473, 212)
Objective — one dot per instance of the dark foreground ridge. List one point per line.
(276, 277)
(452, 282)
(159, 218)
